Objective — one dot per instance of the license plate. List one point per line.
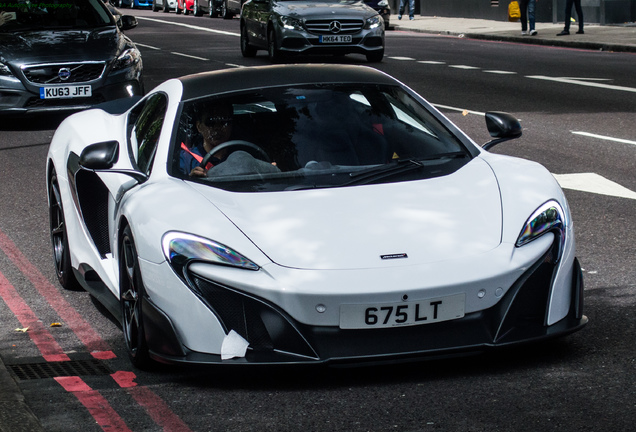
(402, 313)
(336, 39)
(65, 92)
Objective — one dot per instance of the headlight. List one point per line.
(127, 58)
(290, 23)
(549, 217)
(181, 249)
(383, 3)
(4, 70)
(374, 22)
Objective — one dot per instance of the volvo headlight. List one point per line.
(290, 23)
(128, 58)
(181, 249)
(374, 22)
(550, 217)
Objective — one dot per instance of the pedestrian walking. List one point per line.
(411, 9)
(527, 17)
(568, 16)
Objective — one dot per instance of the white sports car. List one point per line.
(307, 214)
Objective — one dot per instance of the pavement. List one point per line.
(15, 415)
(617, 38)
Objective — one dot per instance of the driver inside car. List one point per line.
(214, 124)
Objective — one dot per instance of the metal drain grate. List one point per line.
(30, 371)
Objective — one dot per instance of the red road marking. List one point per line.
(89, 337)
(154, 405)
(99, 407)
(44, 341)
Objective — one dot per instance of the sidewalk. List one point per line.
(606, 38)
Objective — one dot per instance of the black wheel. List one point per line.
(59, 238)
(166, 8)
(225, 12)
(178, 10)
(155, 8)
(375, 56)
(132, 292)
(212, 9)
(275, 56)
(246, 49)
(196, 9)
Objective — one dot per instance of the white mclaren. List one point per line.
(307, 214)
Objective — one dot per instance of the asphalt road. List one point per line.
(577, 109)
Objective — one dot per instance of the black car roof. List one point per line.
(229, 80)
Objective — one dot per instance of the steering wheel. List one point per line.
(249, 147)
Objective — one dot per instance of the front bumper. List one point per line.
(276, 338)
(303, 43)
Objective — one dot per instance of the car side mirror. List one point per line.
(127, 22)
(100, 156)
(501, 126)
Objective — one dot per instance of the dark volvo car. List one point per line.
(292, 27)
(64, 55)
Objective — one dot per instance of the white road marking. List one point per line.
(189, 26)
(500, 72)
(432, 62)
(593, 183)
(402, 58)
(189, 56)
(583, 83)
(603, 137)
(466, 67)
(147, 46)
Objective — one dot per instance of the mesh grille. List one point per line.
(50, 74)
(31, 371)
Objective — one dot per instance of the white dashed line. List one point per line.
(189, 26)
(147, 46)
(603, 137)
(466, 67)
(500, 72)
(583, 83)
(189, 56)
(431, 62)
(402, 58)
(593, 183)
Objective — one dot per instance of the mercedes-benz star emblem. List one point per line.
(64, 74)
(335, 27)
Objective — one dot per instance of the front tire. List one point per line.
(225, 12)
(246, 49)
(275, 56)
(59, 238)
(196, 9)
(212, 9)
(131, 293)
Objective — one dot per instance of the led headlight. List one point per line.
(550, 217)
(374, 22)
(290, 23)
(181, 249)
(129, 57)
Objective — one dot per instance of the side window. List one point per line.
(145, 124)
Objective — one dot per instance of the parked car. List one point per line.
(383, 8)
(185, 7)
(308, 214)
(230, 8)
(134, 4)
(165, 5)
(65, 55)
(207, 7)
(290, 27)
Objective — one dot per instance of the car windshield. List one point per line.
(312, 136)
(24, 15)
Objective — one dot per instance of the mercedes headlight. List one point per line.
(374, 22)
(126, 59)
(180, 249)
(550, 217)
(290, 23)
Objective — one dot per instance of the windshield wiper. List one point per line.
(399, 166)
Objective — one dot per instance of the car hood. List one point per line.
(395, 224)
(326, 10)
(60, 46)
